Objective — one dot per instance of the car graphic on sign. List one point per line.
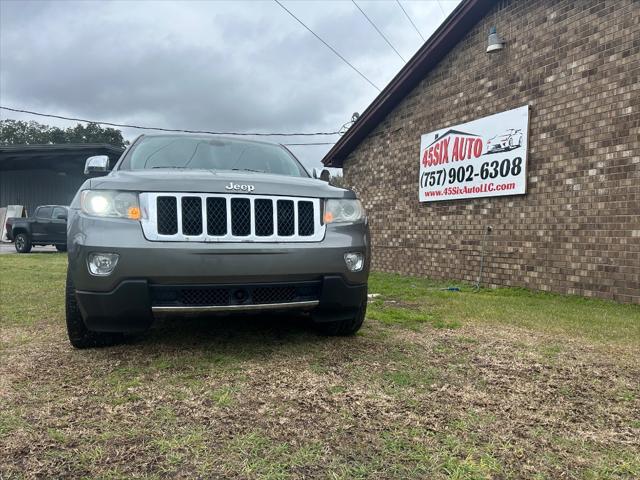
(510, 139)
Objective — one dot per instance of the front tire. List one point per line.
(347, 327)
(61, 247)
(22, 243)
(79, 335)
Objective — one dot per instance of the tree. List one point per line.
(18, 132)
(338, 181)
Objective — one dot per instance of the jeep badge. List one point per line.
(242, 188)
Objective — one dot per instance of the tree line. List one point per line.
(19, 132)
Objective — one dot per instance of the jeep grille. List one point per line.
(198, 217)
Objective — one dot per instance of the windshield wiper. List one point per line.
(247, 170)
(169, 167)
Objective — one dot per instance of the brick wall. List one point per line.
(577, 230)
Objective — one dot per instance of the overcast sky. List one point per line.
(207, 65)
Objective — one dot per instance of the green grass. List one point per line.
(423, 454)
(414, 377)
(57, 435)
(10, 421)
(265, 458)
(223, 396)
(598, 320)
(437, 384)
(411, 315)
(31, 287)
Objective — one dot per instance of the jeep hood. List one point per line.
(209, 181)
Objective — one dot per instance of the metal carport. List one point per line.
(33, 175)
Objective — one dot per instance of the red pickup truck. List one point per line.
(47, 227)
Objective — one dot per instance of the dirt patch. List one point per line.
(464, 385)
(256, 399)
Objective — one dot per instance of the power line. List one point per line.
(441, 8)
(410, 21)
(328, 46)
(160, 129)
(378, 30)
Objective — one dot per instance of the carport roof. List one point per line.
(60, 157)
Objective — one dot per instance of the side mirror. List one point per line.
(61, 216)
(99, 163)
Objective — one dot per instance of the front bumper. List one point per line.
(124, 300)
(131, 307)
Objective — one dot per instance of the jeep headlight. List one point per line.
(343, 210)
(111, 203)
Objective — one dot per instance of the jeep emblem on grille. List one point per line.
(241, 188)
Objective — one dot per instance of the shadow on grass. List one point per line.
(232, 334)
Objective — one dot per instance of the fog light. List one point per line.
(354, 261)
(102, 263)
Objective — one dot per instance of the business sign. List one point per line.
(483, 158)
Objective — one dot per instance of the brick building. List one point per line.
(576, 230)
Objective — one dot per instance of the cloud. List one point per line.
(245, 66)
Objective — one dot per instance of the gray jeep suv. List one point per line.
(206, 224)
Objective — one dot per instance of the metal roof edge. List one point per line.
(456, 25)
(60, 147)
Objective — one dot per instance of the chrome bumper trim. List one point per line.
(234, 308)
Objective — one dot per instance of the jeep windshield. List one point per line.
(210, 153)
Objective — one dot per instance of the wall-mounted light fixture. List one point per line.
(495, 42)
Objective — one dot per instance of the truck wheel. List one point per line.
(22, 243)
(61, 248)
(79, 335)
(346, 327)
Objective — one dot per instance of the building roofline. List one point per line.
(450, 32)
(59, 147)
(450, 132)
